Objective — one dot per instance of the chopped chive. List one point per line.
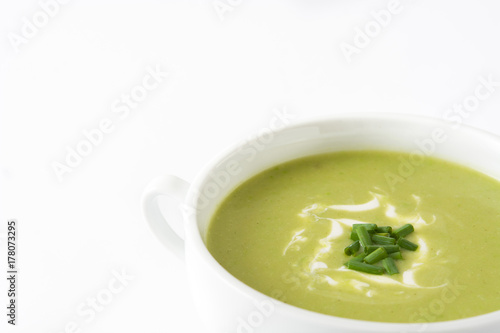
(352, 249)
(359, 257)
(388, 248)
(390, 266)
(365, 268)
(370, 227)
(406, 244)
(364, 236)
(384, 229)
(396, 255)
(370, 248)
(378, 244)
(382, 240)
(404, 231)
(376, 256)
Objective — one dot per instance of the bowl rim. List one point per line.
(196, 240)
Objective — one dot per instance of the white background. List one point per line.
(226, 75)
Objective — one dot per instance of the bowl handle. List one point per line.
(169, 231)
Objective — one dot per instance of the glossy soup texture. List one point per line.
(283, 232)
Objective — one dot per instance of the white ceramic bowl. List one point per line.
(225, 304)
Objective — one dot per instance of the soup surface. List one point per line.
(283, 233)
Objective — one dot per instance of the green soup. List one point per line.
(283, 233)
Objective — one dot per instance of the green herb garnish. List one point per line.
(390, 266)
(364, 237)
(376, 256)
(359, 257)
(368, 226)
(384, 230)
(396, 255)
(406, 244)
(352, 249)
(366, 268)
(380, 245)
(388, 248)
(404, 231)
(383, 240)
